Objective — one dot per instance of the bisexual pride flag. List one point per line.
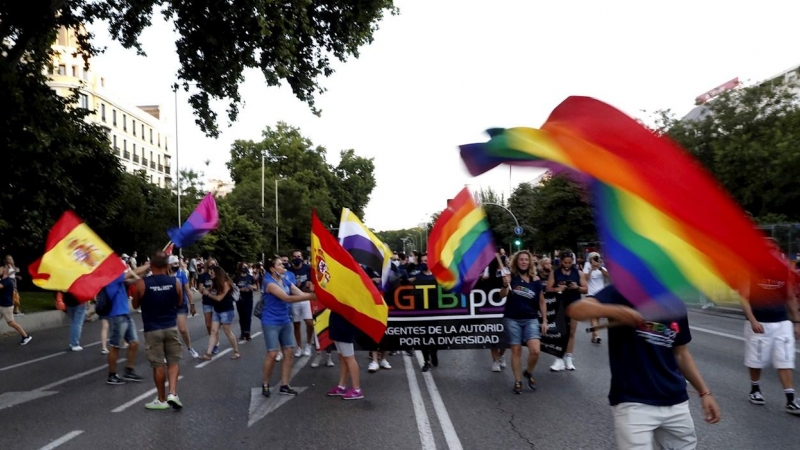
(203, 220)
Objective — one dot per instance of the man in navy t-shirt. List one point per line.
(650, 365)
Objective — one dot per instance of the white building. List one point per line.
(138, 135)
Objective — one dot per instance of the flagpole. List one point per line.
(177, 163)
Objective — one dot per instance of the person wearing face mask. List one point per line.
(568, 283)
(247, 285)
(429, 354)
(301, 311)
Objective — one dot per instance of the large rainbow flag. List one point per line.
(460, 244)
(669, 231)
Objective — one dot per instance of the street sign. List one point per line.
(518, 231)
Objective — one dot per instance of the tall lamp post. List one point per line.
(277, 250)
(424, 226)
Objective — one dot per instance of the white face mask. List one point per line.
(395, 263)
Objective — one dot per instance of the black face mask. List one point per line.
(286, 266)
(422, 267)
(297, 261)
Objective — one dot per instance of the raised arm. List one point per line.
(296, 296)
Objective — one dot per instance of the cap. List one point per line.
(173, 260)
(124, 256)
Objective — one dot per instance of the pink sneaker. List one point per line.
(337, 391)
(354, 394)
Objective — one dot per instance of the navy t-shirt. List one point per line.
(340, 329)
(205, 280)
(523, 300)
(243, 281)
(777, 294)
(226, 304)
(643, 364)
(301, 274)
(159, 303)
(569, 296)
(7, 293)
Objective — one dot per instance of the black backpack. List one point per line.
(102, 303)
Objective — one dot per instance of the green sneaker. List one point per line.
(157, 404)
(174, 401)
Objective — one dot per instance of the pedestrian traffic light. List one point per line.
(517, 242)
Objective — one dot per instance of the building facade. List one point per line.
(138, 135)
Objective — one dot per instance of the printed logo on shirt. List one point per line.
(656, 333)
(769, 285)
(522, 291)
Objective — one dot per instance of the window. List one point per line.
(159, 160)
(115, 142)
(102, 82)
(125, 144)
(124, 122)
(62, 69)
(166, 144)
(133, 123)
(74, 71)
(151, 178)
(114, 117)
(134, 148)
(151, 135)
(159, 140)
(84, 101)
(142, 131)
(103, 111)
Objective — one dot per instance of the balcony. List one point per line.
(135, 158)
(144, 161)
(161, 168)
(117, 151)
(127, 155)
(168, 169)
(153, 165)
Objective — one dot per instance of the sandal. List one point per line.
(205, 357)
(236, 355)
(596, 340)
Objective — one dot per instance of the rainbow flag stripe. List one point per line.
(460, 244)
(669, 230)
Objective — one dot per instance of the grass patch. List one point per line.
(37, 301)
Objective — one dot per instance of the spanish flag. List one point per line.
(342, 286)
(75, 260)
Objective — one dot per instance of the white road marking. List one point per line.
(43, 358)
(138, 399)
(260, 406)
(63, 439)
(450, 435)
(213, 358)
(719, 333)
(421, 414)
(244, 341)
(75, 377)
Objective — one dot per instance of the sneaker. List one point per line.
(385, 364)
(307, 351)
(114, 379)
(157, 404)
(19, 313)
(502, 362)
(529, 378)
(315, 362)
(558, 366)
(517, 388)
(298, 352)
(426, 367)
(568, 363)
(337, 391)
(193, 353)
(25, 340)
(496, 366)
(353, 394)
(329, 362)
(130, 375)
(265, 390)
(793, 408)
(279, 358)
(75, 348)
(287, 390)
(757, 399)
(216, 350)
(174, 401)
(104, 351)
(373, 366)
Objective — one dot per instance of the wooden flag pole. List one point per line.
(603, 326)
(166, 246)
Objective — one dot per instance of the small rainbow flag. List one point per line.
(460, 245)
(669, 230)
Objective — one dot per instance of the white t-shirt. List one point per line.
(595, 281)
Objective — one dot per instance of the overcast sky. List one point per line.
(441, 72)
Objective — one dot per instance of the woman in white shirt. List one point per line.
(596, 279)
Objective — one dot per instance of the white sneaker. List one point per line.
(315, 362)
(502, 362)
(329, 362)
(373, 366)
(496, 366)
(193, 353)
(75, 348)
(307, 351)
(558, 366)
(385, 364)
(568, 363)
(298, 352)
(280, 356)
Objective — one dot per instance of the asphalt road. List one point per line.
(49, 396)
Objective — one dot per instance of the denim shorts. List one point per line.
(520, 331)
(279, 336)
(224, 317)
(119, 328)
(208, 309)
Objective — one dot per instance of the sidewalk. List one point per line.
(37, 321)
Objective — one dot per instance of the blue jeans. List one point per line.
(279, 336)
(224, 317)
(520, 331)
(77, 314)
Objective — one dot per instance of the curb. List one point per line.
(35, 322)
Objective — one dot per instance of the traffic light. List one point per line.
(517, 242)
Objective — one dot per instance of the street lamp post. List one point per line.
(177, 157)
(424, 226)
(262, 202)
(277, 250)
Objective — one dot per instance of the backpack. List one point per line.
(102, 305)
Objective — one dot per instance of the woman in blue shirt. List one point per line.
(524, 294)
(276, 322)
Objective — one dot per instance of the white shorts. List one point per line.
(775, 345)
(638, 426)
(301, 311)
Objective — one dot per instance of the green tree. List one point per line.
(749, 139)
(290, 42)
(500, 221)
